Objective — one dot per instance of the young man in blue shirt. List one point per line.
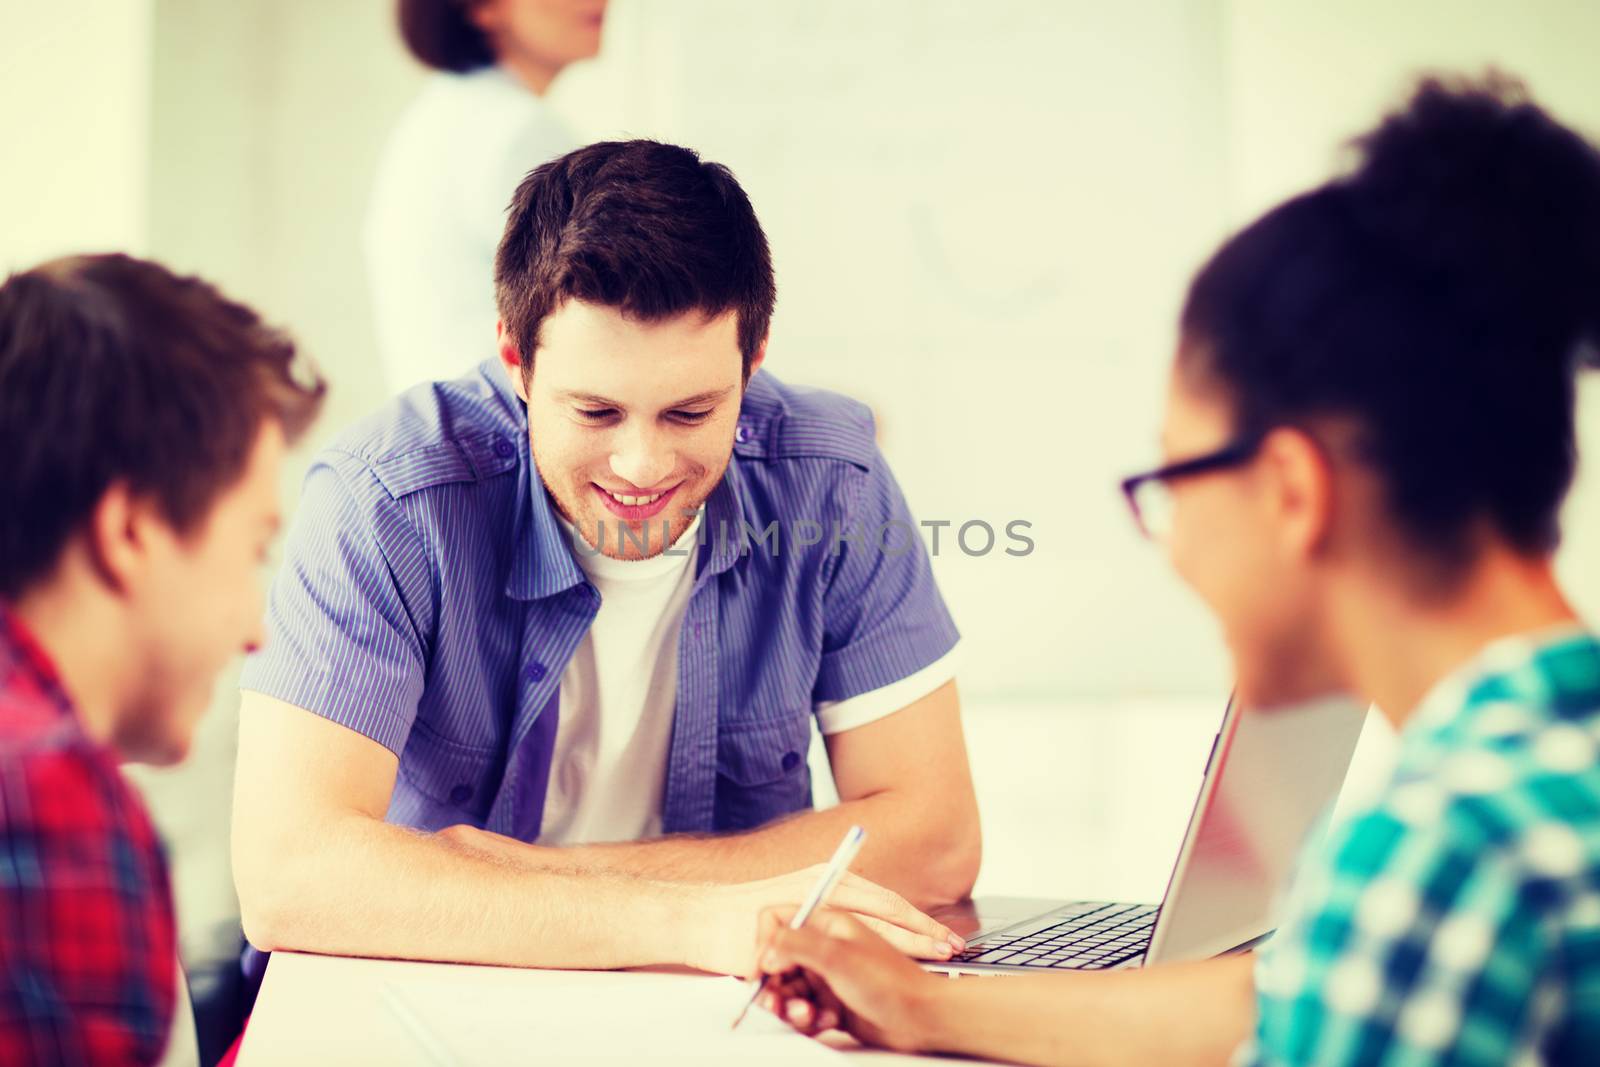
(550, 639)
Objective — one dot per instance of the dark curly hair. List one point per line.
(1441, 295)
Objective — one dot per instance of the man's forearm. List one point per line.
(1190, 1013)
(903, 852)
(354, 885)
(777, 848)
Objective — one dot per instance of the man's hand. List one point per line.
(835, 974)
(722, 920)
(725, 920)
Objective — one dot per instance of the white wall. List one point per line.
(269, 115)
(74, 127)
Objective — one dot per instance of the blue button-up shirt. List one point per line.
(430, 600)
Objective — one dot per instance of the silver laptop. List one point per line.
(1268, 780)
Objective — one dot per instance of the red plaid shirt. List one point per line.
(88, 953)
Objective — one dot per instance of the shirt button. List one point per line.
(742, 433)
(460, 795)
(534, 672)
(504, 448)
(791, 760)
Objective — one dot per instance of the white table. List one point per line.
(1085, 801)
(328, 1009)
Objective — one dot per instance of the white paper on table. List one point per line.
(478, 1017)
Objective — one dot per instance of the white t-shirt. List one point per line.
(437, 211)
(618, 694)
(620, 690)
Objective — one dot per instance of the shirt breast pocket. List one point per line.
(762, 771)
(446, 782)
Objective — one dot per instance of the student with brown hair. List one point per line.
(143, 417)
(549, 646)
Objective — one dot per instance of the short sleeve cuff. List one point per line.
(837, 716)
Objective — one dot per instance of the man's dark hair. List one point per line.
(114, 370)
(442, 35)
(644, 227)
(1442, 295)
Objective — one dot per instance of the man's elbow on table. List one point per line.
(284, 872)
(266, 858)
(954, 850)
(290, 881)
(261, 926)
(264, 908)
(936, 855)
(914, 762)
(308, 795)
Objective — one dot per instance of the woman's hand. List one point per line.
(834, 973)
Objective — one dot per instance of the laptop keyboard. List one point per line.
(1082, 937)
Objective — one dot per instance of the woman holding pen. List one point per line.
(1383, 372)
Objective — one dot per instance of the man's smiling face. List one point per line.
(631, 423)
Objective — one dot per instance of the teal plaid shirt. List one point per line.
(1456, 920)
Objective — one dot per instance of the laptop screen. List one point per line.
(1272, 777)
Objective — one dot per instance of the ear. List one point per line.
(760, 357)
(509, 359)
(1301, 490)
(118, 537)
(486, 15)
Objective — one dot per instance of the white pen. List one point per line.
(840, 863)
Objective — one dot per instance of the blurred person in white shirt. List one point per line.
(438, 203)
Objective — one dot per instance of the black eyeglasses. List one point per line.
(1151, 500)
